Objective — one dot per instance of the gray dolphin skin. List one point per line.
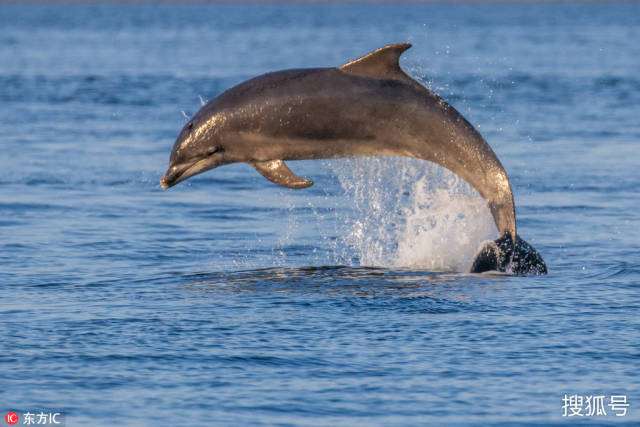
(366, 107)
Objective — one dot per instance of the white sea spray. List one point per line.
(409, 213)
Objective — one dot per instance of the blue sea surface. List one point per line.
(228, 300)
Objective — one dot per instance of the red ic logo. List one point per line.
(11, 418)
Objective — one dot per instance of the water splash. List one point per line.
(409, 213)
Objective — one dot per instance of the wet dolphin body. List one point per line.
(366, 107)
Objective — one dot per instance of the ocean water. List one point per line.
(228, 300)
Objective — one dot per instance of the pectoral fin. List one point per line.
(276, 171)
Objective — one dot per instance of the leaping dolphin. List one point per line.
(365, 107)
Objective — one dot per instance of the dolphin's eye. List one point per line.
(212, 151)
(190, 125)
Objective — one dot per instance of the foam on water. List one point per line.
(411, 213)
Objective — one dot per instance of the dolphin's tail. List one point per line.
(505, 256)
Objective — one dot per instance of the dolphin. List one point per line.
(366, 107)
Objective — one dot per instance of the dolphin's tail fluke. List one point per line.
(505, 256)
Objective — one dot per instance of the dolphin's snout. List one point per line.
(181, 171)
(170, 177)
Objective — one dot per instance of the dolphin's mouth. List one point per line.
(179, 173)
(172, 177)
(175, 174)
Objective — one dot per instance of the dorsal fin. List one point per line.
(380, 64)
